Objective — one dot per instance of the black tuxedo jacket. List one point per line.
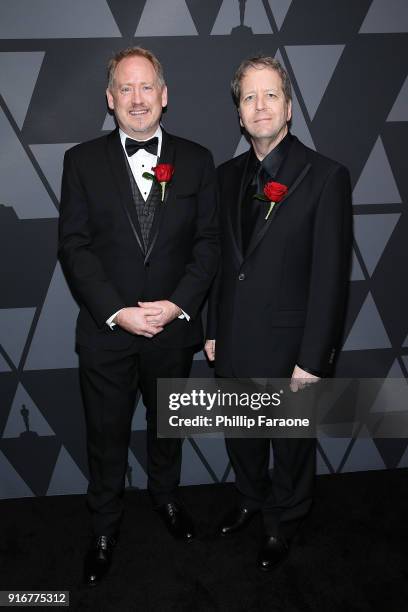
(282, 303)
(100, 244)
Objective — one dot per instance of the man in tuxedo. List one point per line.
(276, 309)
(139, 253)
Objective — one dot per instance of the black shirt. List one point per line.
(257, 175)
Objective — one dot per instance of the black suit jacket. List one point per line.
(100, 245)
(282, 304)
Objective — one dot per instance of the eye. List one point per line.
(271, 95)
(249, 98)
(125, 90)
(147, 87)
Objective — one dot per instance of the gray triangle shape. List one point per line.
(53, 344)
(139, 417)
(11, 484)
(18, 75)
(356, 272)
(56, 19)
(404, 460)
(395, 371)
(193, 471)
(363, 456)
(368, 331)
(215, 453)
(67, 478)
(386, 17)
(399, 111)
(376, 184)
(16, 423)
(313, 66)
(299, 125)
(242, 147)
(279, 9)
(393, 395)
(20, 186)
(372, 233)
(109, 123)
(321, 467)
(228, 18)
(230, 476)
(4, 367)
(166, 19)
(15, 325)
(136, 477)
(50, 158)
(334, 448)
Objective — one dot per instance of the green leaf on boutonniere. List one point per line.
(261, 196)
(149, 176)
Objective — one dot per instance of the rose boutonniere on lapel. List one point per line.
(273, 192)
(162, 174)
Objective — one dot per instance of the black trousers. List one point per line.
(109, 383)
(284, 499)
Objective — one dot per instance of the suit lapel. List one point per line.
(117, 163)
(293, 171)
(167, 156)
(234, 213)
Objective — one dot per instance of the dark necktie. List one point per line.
(260, 179)
(150, 146)
(253, 210)
(250, 206)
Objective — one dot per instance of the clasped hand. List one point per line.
(148, 318)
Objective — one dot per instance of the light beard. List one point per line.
(134, 131)
(265, 144)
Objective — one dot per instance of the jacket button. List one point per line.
(241, 276)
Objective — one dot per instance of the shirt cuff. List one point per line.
(310, 371)
(184, 315)
(110, 322)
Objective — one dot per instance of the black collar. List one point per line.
(273, 161)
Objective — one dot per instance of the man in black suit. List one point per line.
(276, 310)
(140, 252)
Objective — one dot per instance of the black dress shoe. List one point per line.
(236, 520)
(98, 559)
(273, 552)
(177, 521)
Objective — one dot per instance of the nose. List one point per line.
(136, 97)
(259, 103)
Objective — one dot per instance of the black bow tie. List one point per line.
(150, 146)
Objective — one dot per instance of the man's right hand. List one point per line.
(133, 320)
(209, 348)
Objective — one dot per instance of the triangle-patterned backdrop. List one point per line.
(347, 62)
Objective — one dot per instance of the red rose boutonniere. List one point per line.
(162, 174)
(273, 192)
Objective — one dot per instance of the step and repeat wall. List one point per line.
(347, 63)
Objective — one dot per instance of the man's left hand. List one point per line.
(301, 379)
(169, 312)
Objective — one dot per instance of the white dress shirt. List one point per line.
(140, 162)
